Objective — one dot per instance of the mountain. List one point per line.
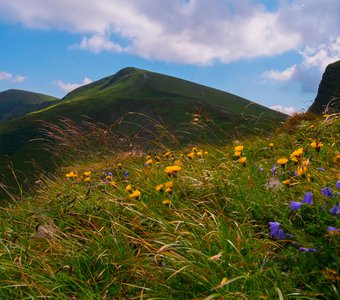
(329, 89)
(136, 97)
(14, 103)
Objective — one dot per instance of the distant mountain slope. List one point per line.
(179, 104)
(14, 103)
(329, 89)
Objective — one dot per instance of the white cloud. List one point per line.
(190, 32)
(286, 110)
(12, 78)
(68, 87)
(284, 75)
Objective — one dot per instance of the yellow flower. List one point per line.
(238, 148)
(242, 160)
(326, 115)
(316, 145)
(148, 162)
(169, 184)
(71, 175)
(271, 145)
(297, 153)
(191, 155)
(135, 194)
(87, 179)
(119, 165)
(113, 183)
(194, 149)
(148, 157)
(166, 202)
(177, 162)
(336, 159)
(128, 188)
(206, 152)
(199, 153)
(159, 188)
(282, 161)
(167, 154)
(171, 170)
(87, 173)
(286, 182)
(108, 177)
(301, 170)
(237, 153)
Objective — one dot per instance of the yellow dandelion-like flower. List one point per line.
(301, 170)
(71, 175)
(113, 184)
(167, 154)
(316, 145)
(286, 182)
(336, 159)
(148, 162)
(206, 152)
(128, 188)
(194, 149)
(119, 165)
(242, 160)
(271, 145)
(135, 194)
(159, 188)
(108, 177)
(148, 157)
(237, 153)
(169, 184)
(191, 155)
(199, 153)
(238, 148)
(177, 163)
(297, 153)
(87, 173)
(87, 179)
(166, 202)
(282, 161)
(171, 170)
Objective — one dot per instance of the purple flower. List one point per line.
(109, 174)
(276, 231)
(321, 169)
(331, 228)
(126, 174)
(303, 249)
(295, 205)
(327, 192)
(335, 210)
(308, 198)
(274, 170)
(337, 185)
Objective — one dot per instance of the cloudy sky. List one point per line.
(269, 51)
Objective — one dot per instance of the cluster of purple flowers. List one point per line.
(308, 199)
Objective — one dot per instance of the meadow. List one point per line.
(256, 218)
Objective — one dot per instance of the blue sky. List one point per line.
(272, 52)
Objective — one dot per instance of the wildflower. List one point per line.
(172, 170)
(206, 152)
(157, 158)
(169, 185)
(303, 249)
(337, 185)
(191, 155)
(135, 194)
(128, 188)
(274, 169)
(282, 161)
(238, 148)
(296, 155)
(332, 229)
(301, 170)
(286, 182)
(294, 205)
(148, 157)
(177, 162)
(325, 116)
(335, 210)
(166, 202)
(113, 184)
(87, 179)
(321, 169)
(308, 198)
(126, 174)
(71, 175)
(237, 153)
(87, 173)
(316, 145)
(242, 160)
(148, 162)
(336, 159)
(194, 149)
(199, 153)
(327, 192)
(167, 154)
(276, 231)
(119, 165)
(271, 145)
(159, 188)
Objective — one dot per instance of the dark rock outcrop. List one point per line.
(328, 97)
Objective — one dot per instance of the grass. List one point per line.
(205, 235)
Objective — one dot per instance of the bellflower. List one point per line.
(276, 231)
(335, 210)
(294, 205)
(327, 192)
(308, 198)
(303, 249)
(274, 170)
(337, 185)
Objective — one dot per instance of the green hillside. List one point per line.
(193, 109)
(15, 103)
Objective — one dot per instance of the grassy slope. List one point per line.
(133, 90)
(93, 240)
(15, 103)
